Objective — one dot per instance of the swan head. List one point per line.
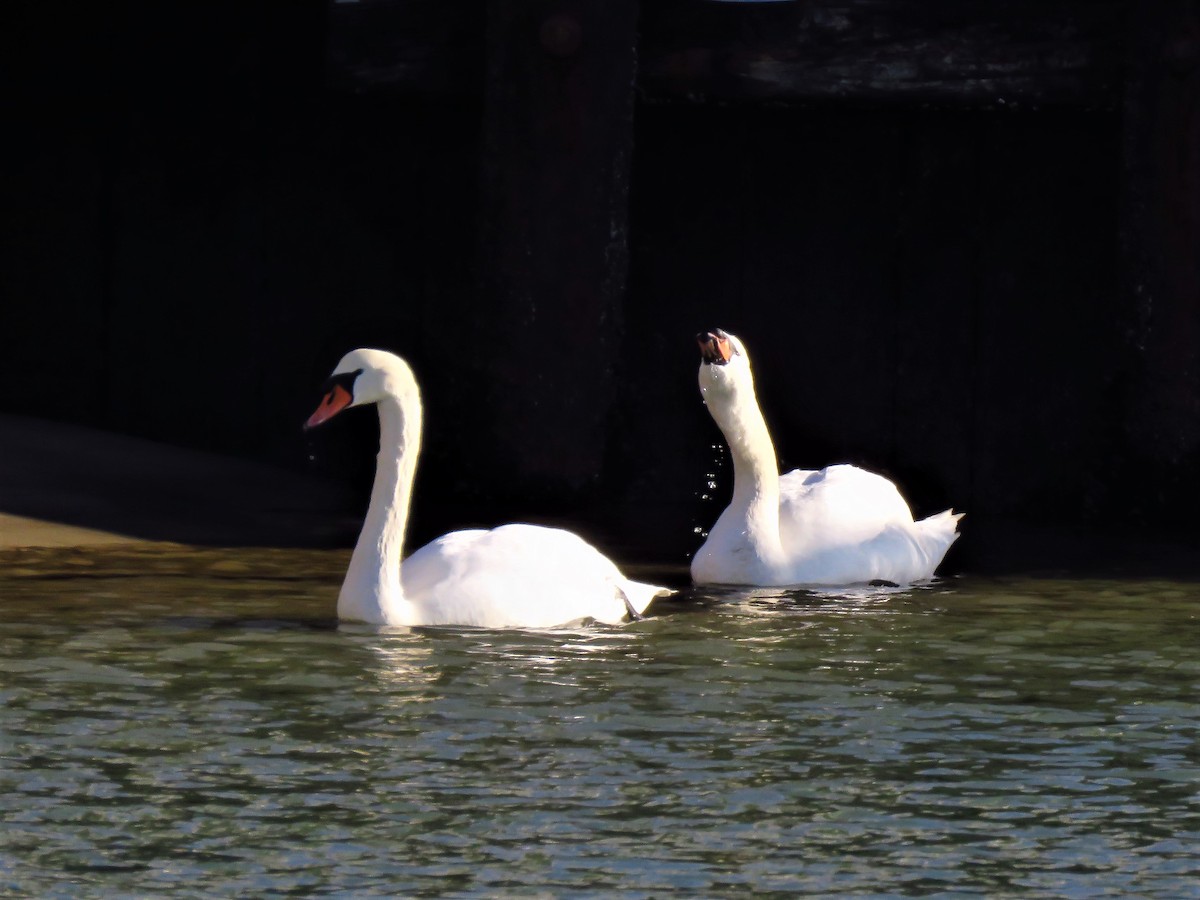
(724, 366)
(363, 377)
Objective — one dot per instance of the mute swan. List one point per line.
(839, 526)
(514, 575)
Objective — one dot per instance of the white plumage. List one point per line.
(518, 575)
(838, 526)
(512, 576)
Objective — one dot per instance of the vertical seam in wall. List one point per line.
(900, 170)
(977, 129)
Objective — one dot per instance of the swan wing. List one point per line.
(518, 575)
(844, 525)
(836, 506)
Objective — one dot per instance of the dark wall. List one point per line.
(933, 295)
(199, 219)
(196, 229)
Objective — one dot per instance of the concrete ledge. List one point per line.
(63, 485)
(21, 531)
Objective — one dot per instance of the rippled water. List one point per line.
(206, 730)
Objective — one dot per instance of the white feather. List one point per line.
(518, 574)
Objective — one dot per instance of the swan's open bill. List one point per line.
(715, 348)
(514, 575)
(837, 526)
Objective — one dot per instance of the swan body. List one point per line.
(837, 526)
(512, 576)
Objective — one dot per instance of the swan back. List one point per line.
(843, 525)
(524, 575)
(836, 506)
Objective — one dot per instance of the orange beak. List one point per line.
(335, 401)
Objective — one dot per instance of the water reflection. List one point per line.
(807, 600)
(403, 659)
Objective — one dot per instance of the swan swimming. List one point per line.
(841, 525)
(512, 576)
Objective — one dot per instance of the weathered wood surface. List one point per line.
(935, 294)
(1160, 237)
(958, 53)
(935, 52)
(557, 140)
(412, 46)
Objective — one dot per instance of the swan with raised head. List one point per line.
(513, 576)
(837, 526)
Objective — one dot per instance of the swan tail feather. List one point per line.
(943, 524)
(935, 534)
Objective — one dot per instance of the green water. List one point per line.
(203, 729)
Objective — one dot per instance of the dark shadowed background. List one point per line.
(959, 240)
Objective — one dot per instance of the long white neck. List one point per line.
(754, 508)
(372, 590)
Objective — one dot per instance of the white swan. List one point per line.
(839, 526)
(515, 575)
